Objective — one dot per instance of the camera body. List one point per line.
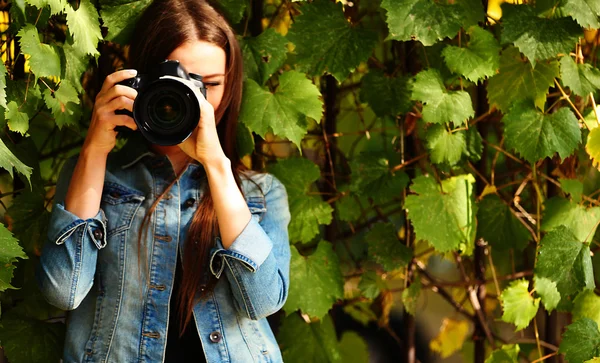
(167, 107)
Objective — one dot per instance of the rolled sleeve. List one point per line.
(65, 223)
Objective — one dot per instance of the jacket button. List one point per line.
(98, 233)
(189, 203)
(215, 336)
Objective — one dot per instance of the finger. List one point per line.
(116, 91)
(116, 77)
(124, 120)
(118, 103)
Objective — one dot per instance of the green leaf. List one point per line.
(64, 104)
(56, 6)
(573, 187)
(581, 341)
(524, 82)
(17, 121)
(9, 161)
(480, 59)
(592, 146)
(587, 305)
(9, 252)
(84, 26)
(314, 342)
(29, 220)
(361, 312)
(308, 211)
(31, 341)
(499, 226)
(283, 112)
(75, 64)
(593, 360)
(385, 248)
(429, 21)
(509, 353)
(566, 261)
(318, 274)
(3, 85)
(536, 135)
(264, 55)
(474, 144)
(518, 306)
(372, 177)
(120, 18)
(439, 104)
(453, 224)
(44, 61)
(582, 79)
(444, 146)
(325, 42)
(537, 38)
(371, 284)
(353, 348)
(386, 95)
(233, 9)
(547, 291)
(244, 140)
(348, 209)
(410, 297)
(585, 12)
(580, 220)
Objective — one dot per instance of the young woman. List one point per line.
(175, 253)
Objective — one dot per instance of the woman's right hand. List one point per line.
(101, 136)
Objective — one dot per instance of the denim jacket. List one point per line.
(118, 313)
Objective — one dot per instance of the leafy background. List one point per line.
(440, 158)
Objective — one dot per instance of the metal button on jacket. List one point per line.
(189, 203)
(215, 336)
(98, 233)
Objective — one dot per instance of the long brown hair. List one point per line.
(164, 26)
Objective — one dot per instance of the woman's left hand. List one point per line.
(203, 144)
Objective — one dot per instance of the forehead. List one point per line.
(200, 57)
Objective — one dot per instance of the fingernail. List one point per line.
(132, 72)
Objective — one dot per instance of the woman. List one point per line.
(169, 253)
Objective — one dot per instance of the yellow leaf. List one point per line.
(489, 189)
(450, 338)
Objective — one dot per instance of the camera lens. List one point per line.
(166, 110)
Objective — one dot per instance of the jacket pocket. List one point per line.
(120, 205)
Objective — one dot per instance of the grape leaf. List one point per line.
(509, 353)
(75, 63)
(537, 38)
(573, 187)
(439, 104)
(371, 177)
(524, 82)
(264, 55)
(29, 220)
(518, 306)
(371, 284)
(64, 104)
(353, 348)
(385, 248)
(283, 112)
(244, 140)
(592, 146)
(585, 12)
(233, 9)
(450, 338)
(17, 121)
(9, 161)
(308, 211)
(498, 225)
(3, 85)
(474, 144)
(580, 220)
(480, 59)
(580, 78)
(581, 341)
(593, 360)
(587, 305)
(44, 61)
(566, 261)
(318, 273)
(9, 252)
(84, 26)
(314, 342)
(410, 297)
(348, 209)
(56, 6)
(547, 291)
(536, 135)
(361, 312)
(453, 225)
(325, 42)
(18, 334)
(429, 21)
(121, 18)
(444, 146)
(386, 95)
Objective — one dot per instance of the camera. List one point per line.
(167, 107)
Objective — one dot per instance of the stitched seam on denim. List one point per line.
(223, 338)
(96, 326)
(247, 303)
(210, 264)
(75, 275)
(68, 229)
(245, 336)
(120, 296)
(248, 263)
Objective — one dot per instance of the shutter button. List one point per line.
(98, 233)
(215, 337)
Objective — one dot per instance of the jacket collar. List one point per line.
(136, 149)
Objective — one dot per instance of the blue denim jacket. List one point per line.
(90, 267)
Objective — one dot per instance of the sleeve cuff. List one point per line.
(95, 227)
(251, 247)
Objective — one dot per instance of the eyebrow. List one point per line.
(213, 75)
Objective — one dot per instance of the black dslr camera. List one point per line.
(167, 107)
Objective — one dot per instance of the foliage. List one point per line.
(415, 138)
